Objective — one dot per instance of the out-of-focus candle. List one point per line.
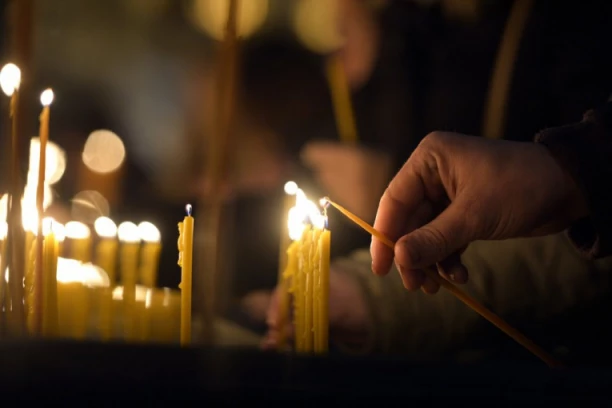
(106, 249)
(49, 281)
(149, 257)
(78, 285)
(185, 247)
(80, 241)
(129, 236)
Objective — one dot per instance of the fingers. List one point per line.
(452, 268)
(435, 242)
(401, 199)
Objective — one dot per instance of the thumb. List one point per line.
(435, 241)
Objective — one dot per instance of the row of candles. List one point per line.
(58, 290)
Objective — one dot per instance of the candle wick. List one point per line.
(188, 209)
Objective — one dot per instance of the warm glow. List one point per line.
(149, 232)
(29, 197)
(291, 187)
(141, 293)
(103, 152)
(29, 218)
(77, 230)
(59, 231)
(3, 230)
(128, 232)
(55, 164)
(47, 225)
(304, 211)
(211, 16)
(89, 205)
(73, 271)
(10, 79)
(4, 207)
(316, 25)
(46, 98)
(105, 227)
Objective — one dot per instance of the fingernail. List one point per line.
(402, 273)
(451, 276)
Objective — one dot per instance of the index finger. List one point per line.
(401, 198)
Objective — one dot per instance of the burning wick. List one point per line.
(188, 209)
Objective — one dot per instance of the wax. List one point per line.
(185, 244)
(149, 262)
(129, 265)
(106, 257)
(49, 298)
(324, 266)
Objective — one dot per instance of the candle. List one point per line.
(309, 268)
(129, 237)
(341, 98)
(151, 249)
(49, 279)
(78, 285)
(33, 314)
(10, 79)
(185, 247)
(283, 278)
(45, 98)
(80, 241)
(106, 250)
(106, 258)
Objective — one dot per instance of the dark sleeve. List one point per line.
(584, 150)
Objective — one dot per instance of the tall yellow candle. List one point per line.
(185, 247)
(130, 246)
(45, 98)
(323, 284)
(149, 257)
(49, 271)
(106, 249)
(80, 241)
(283, 260)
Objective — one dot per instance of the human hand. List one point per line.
(352, 175)
(455, 189)
(349, 320)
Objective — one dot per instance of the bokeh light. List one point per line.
(316, 25)
(10, 79)
(128, 232)
(103, 152)
(210, 16)
(55, 164)
(89, 205)
(149, 232)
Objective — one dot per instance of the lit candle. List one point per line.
(10, 79)
(129, 236)
(149, 259)
(46, 98)
(185, 247)
(283, 279)
(106, 250)
(309, 266)
(31, 287)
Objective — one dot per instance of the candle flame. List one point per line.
(10, 79)
(105, 227)
(46, 98)
(304, 212)
(324, 202)
(291, 188)
(73, 271)
(149, 232)
(77, 230)
(47, 225)
(188, 209)
(128, 232)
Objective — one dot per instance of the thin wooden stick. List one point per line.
(459, 294)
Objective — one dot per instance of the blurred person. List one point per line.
(554, 81)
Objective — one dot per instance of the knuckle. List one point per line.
(434, 241)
